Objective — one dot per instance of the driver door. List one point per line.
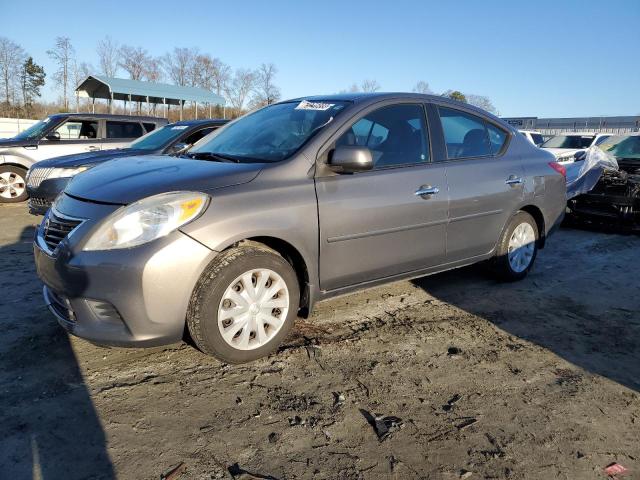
(75, 136)
(373, 224)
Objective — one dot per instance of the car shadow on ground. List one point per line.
(50, 427)
(563, 306)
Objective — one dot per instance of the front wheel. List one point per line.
(244, 304)
(517, 248)
(13, 184)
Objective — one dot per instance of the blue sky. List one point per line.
(538, 58)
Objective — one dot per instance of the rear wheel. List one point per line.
(517, 248)
(244, 304)
(13, 184)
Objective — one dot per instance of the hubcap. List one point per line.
(12, 185)
(253, 309)
(521, 247)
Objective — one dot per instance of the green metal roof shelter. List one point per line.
(98, 86)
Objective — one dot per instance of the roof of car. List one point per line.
(357, 97)
(110, 116)
(207, 121)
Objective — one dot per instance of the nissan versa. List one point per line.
(294, 203)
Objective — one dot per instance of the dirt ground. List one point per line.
(451, 376)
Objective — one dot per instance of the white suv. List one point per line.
(64, 134)
(566, 145)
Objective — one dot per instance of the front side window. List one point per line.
(396, 135)
(465, 135)
(270, 134)
(78, 130)
(123, 129)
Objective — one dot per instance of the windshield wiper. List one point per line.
(217, 157)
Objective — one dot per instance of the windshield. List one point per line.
(158, 139)
(272, 133)
(568, 141)
(34, 131)
(623, 146)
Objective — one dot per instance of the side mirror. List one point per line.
(178, 148)
(53, 136)
(579, 156)
(351, 159)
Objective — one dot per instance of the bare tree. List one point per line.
(422, 87)
(239, 88)
(12, 57)
(481, 102)
(370, 86)
(179, 65)
(135, 61)
(265, 91)
(109, 55)
(80, 72)
(63, 54)
(221, 74)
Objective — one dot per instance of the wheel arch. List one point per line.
(538, 216)
(292, 255)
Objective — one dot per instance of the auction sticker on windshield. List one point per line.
(179, 127)
(306, 105)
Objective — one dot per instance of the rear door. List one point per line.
(485, 184)
(373, 224)
(120, 133)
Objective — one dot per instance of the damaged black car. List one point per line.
(615, 199)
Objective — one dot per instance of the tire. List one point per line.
(221, 291)
(516, 266)
(13, 184)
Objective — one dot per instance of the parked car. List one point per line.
(534, 137)
(48, 178)
(63, 134)
(616, 196)
(566, 146)
(294, 203)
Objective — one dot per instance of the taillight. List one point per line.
(559, 168)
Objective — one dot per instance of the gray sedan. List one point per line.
(294, 203)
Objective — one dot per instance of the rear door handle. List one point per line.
(93, 148)
(513, 180)
(426, 190)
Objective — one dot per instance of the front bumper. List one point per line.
(131, 297)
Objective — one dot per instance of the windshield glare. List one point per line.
(34, 131)
(158, 138)
(623, 147)
(272, 133)
(568, 141)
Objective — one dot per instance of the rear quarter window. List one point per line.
(123, 129)
(497, 138)
(149, 127)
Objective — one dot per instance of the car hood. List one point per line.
(89, 158)
(126, 180)
(14, 142)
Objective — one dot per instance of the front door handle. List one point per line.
(513, 180)
(426, 190)
(93, 148)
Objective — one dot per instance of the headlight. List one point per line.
(66, 172)
(146, 220)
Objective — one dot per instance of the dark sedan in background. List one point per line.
(49, 177)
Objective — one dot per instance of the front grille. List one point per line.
(39, 202)
(57, 227)
(37, 176)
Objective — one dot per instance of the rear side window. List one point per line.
(537, 139)
(123, 130)
(497, 138)
(149, 127)
(396, 135)
(464, 134)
